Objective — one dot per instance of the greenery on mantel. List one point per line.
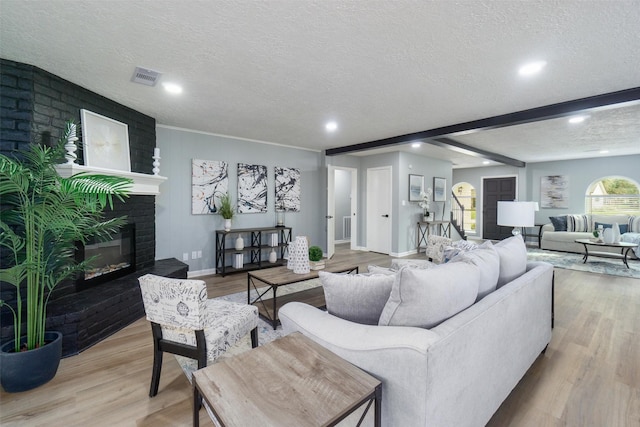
(43, 216)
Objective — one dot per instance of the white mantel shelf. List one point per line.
(143, 184)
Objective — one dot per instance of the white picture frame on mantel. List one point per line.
(105, 142)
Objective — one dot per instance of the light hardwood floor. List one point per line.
(589, 376)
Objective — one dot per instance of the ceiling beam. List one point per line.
(567, 108)
(459, 147)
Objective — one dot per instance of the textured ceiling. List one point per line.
(277, 70)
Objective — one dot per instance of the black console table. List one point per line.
(256, 249)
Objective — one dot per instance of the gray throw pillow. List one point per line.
(397, 264)
(513, 259)
(486, 258)
(376, 269)
(358, 298)
(425, 298)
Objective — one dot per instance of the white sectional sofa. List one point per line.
(564, 240)
(435, 372)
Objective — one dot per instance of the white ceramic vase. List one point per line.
(607, 235)
(616, 232)
(291, 248)
(239, 243)
(273, 256)
(227, 224)
(301, 256)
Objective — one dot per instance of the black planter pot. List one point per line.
(30, 369)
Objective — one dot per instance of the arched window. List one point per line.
(465, 194)
(613, 195)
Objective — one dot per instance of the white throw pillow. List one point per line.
(513, 259)
(425, 298)
(486, 258)
(358, 298)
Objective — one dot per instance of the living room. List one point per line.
(190, 238)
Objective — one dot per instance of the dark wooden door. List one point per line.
(494, 190)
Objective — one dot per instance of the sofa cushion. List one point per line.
(559, 222)
(578, 223)
(513, 259)
(358, 298)
(634, 224)
(486, 258)
(425, 298)
(623, 227)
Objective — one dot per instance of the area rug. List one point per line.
(571, 261)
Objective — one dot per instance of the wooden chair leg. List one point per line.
(254, 337)
(155, 376)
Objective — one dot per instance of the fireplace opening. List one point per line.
(111, 259)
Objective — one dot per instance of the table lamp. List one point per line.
(517, 215)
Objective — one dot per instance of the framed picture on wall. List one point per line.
(416, 186)
(439, 189)
(106, 142)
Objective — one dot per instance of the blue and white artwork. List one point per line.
(209, 181)
(252, 188)
(287, 189)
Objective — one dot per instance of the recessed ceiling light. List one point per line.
(486, 162)
(416, 145)
(172, 88)
(532, 68)
(604, 151)
(577, 119)
(331, 126)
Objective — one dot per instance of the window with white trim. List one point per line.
(613, 195)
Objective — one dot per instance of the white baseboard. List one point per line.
(199, 273)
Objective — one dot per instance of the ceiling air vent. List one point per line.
(145, 77)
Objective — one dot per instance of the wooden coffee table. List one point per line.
(291, 381)
(273, 278)
(624, 247)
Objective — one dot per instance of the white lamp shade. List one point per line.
(516, 214)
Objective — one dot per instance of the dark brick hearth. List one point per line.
(35, 105)
(87, 317)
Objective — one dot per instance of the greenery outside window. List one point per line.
(613, 195)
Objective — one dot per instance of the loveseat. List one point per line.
(455, 370)
(562, 232)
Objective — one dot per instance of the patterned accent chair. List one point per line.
(435, 248)
(185, 323)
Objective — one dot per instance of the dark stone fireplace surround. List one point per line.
(35, 105)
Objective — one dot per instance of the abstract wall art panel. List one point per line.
(252, 188)
(554, 191)
(209, 181)
(287, 189)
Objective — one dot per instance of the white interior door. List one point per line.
(331, 211)
(354, 209)
(379, 209)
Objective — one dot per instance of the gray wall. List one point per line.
(581, 173)
(178, 231)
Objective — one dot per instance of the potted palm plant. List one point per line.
(226, 210)
(42, 218)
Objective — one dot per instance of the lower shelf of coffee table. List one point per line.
(313, 296)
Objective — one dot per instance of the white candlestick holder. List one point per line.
(156, 165)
